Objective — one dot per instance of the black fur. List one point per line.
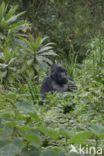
(57, 81)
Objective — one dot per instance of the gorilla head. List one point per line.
(59, 74)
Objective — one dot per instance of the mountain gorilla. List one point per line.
(57, 81)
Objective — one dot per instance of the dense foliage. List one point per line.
(64, 121)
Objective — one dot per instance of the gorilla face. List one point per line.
(59, 75)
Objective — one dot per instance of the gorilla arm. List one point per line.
(59, 88)
(71, 86)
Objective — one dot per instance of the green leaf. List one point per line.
(36, 117)
(11, 12)
(25, 106)
(81, 137)
(2, 10)
(10, 150)
(74, 154)
(49, 53)
(1, 131)
(66, 134)
(14, 18)
(44, 49)
(43, 40)
(11, 124)
(97, 129)
(52, 152)
(30, 152)
(20, 25)
(25, 128)
(11, 61)
(54, 134)
(42, 59)
(33, 138)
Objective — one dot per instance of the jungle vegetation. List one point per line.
(35, 34)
